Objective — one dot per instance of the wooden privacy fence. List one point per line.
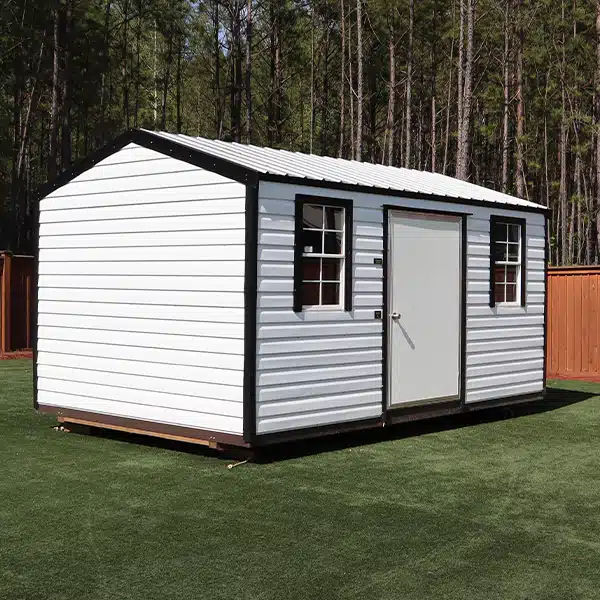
(573, 322)
(16, 292)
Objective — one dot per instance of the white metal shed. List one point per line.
(229, 294)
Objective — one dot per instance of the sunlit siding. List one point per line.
(318, 368)
(141, 293)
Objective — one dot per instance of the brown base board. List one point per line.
(211, 439)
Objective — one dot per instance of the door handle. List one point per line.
(395, 315)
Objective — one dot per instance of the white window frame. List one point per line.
(341, 257)
(518, 263)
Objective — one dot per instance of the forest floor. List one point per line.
(502, 505)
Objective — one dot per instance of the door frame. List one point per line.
(434, 406)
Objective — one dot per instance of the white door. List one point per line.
(424, 288)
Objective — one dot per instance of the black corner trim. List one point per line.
(34, 295)
(546, 261)
(348, 205)
(516, 221)
(250, 307)
(162, 145)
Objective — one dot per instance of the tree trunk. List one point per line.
(138, 40)
(343, 75)
(312, 80)
(448, 100)
(217, 81)
(409, 66)
(389, 128)
(597, 100)
(178, 83)
(249, 72)
(506, 106)
(464, 134)
(53, 132)
(562, 193)
(105, 70)
(124, 53)
(359, 83)
(166, 81)
(66, 125)
(520, 170)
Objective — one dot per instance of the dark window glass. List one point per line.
(311, 269)
(332, 269)
(331, 293)
(334, 218)
(333, 242)
(312, 242)
(312, 216)
(511, 292)
(310, 294)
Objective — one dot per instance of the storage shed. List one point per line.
(228, 294)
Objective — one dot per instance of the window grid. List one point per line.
(338, 257)
(507, 246)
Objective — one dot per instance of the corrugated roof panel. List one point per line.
(336, 170)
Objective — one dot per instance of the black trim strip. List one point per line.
(34, 295)
(494, 219)
(546, 260)
(401, 415)
(349, 187)
(348, 206)
(385, 340)
(463, 309)
(250, 307)
(427, 211)
(293, 435)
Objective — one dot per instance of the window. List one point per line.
(507, 257)
(322, 254)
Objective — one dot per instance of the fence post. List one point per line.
(5, 303)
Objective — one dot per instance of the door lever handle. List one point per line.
(395, 315)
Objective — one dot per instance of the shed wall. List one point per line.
(318, 368)
(141, 293)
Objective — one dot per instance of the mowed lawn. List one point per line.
(505, 509)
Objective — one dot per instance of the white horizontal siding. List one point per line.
(505, 345)
(141, 293)
(322, 367)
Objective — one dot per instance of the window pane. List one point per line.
(312, 216)
(312, 241)
(334, 218)
(511, 273)
(514, 233)
(499, 292)
(500, 251)
(311, 269)
(499, 274)
(333, 242)
(331, 293)
(513, 252)
(310, 294)
(499, 232)
(332, 269)
(511, 292)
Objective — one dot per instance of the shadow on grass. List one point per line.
(556, 398)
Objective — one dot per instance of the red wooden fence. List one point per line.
(16, 292)
(573, 322)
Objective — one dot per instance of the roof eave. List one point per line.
(159, 144)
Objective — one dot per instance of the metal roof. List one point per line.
(313, 168)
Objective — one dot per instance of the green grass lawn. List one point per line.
(504, 509)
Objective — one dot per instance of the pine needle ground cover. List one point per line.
(503, 508)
